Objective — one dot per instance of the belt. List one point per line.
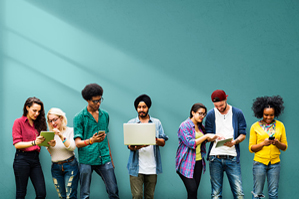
(224, 156)
(65, 161)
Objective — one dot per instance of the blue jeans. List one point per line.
(260, 172)
(106, 171)
(233, 172)
(26, 165)
(66, 177)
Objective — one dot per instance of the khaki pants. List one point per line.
(149, 182)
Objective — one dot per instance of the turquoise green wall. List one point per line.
(178, 52)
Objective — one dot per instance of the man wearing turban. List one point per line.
(145, 161)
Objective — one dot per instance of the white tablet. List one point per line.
(222, 142)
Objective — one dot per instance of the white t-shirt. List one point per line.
(147, 162)
(224, 127)
(59, 152)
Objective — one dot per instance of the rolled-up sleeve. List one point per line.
(161, 132)
(242, 123)
(16, 132)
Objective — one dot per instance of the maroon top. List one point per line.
(22, 131)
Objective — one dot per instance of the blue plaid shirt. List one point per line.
(186, 153)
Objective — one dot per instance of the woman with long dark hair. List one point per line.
(267, 139)
(26, 137)
(191, 150)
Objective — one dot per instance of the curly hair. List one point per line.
(195, 108)
(260, 103)
(91, 90)
(40, 122)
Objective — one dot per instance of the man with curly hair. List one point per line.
(227, 122)
(90, 130)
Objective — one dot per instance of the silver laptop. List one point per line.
(139, 133)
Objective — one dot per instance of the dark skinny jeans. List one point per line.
(26, 165)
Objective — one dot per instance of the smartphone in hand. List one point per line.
(100, 132)
(271, 138)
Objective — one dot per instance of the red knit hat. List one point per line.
(218, 95)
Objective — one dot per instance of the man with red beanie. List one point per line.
(227, 122)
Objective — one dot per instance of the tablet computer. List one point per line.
(48, 135)
(139, 133)
(222, 142)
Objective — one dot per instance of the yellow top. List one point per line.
(198, 154)
(267, 153)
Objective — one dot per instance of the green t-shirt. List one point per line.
(85, 127)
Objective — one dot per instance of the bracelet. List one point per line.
(85, 142)
(33, 143)
(64, 140)
(90, 142)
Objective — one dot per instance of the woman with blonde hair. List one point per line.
(65, 171)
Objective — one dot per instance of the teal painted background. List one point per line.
(178, 52)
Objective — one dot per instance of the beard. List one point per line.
(143, 114)
(223, 108)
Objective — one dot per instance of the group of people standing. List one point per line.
(89, 135)
(267, 138)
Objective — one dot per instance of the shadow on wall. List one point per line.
(156, 37)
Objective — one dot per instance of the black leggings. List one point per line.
(192, 184)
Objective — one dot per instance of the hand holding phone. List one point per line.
(99, 136)
(101, 132)
(271, 138)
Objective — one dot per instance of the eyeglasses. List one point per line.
(98, 101)
(201, 114)
(53, 120)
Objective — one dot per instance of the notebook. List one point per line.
(139, 133)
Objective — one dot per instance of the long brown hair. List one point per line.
(195, 108)
(40, 122)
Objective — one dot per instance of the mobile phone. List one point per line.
(101, 132)
(271, 138)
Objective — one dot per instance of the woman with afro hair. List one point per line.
(267, 138)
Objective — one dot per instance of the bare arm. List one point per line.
(95, 138)
(239, 139)
(279, 144)
(160, 142)
(210, 137)
(24, 145)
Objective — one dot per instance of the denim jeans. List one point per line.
(260, 172)
(26, 165)
(149, 182)
(66, 177)
(233, 172)
(106, 171)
